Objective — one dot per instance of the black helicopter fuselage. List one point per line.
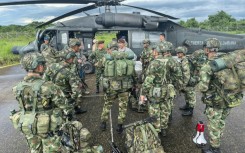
(135, 28)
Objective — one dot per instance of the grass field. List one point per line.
(6, 56)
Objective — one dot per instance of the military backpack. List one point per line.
(229, 75)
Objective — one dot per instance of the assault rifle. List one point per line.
(114, 148)
(144, 121)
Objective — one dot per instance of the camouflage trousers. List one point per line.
(162, 111)
(44, 144)
(190, 96)
(123, 104)
(98, 73)
(216, 124)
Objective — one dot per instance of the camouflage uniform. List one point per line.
(111, 93)
(216, 108)
(97, 56)
(50, 55)
(158, 86)
(189, 91)
(66, 80)
(146, 55)
(50, 99)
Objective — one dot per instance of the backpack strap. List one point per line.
(55, 75)
(20, 88)
(36, 87)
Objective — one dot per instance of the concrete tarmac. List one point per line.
(179, 134)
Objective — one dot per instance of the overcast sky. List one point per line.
(183, 9)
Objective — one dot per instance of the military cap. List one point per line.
(165, 47)
(30, 61)
(101, 42)
(146, 41)
(181, 49)
(121, 41)
(212, 43)
(46, 37)
(74, 42)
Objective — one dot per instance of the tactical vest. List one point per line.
(36, 116)
(163, 88)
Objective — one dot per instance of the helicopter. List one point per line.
(133, 26)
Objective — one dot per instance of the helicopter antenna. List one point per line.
(86, 13)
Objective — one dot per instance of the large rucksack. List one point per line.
(30, 121)
(118, 64)
(229, 74)
(143, 138)
(75, 138)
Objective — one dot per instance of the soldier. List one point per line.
(189, 90)
(158, 86)
(97, 57)
(46, 43)
(62, 75)
(117, 80)
(41, 105)
(162, 38)
(75, 46)
(146, 55)
(122, 48)
(216, 107)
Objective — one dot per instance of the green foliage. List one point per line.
(6, 56)
(221, 21)
(106, 36)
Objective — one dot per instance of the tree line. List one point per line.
(221, 21)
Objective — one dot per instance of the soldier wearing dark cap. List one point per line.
(97, 56)
(45, 44)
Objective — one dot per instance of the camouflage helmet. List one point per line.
(181, 49)
(69, 55)
(74, 42)
(165, 47)
(30, 61)
(146, 41)
(212, 43)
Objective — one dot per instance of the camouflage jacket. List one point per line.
(97, 57)
(213, 95)
(44, 46)
(66, 79)
(186, 72)
(162, 71)
(51, 95)
(50, 55)
(146, 56)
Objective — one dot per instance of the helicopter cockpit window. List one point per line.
(137, 38)
(64, 38)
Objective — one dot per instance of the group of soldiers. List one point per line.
(59, 88)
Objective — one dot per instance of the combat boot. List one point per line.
(185, 107)
(79, 110)
(211, 150)
(163, 132)
(97, 89)
(119, 128)
(103, 126)
(188, 112)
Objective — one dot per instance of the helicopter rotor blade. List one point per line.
(86, 8)
(155, 12)
(48, 2)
